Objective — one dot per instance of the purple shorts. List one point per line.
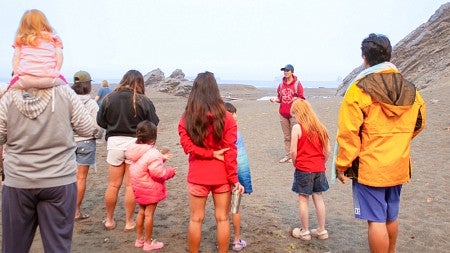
(378, 204)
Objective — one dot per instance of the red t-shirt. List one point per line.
(310, 157)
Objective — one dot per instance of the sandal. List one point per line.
(82, 216)
(301, 234)
(139, 243)
(285, 159)
(323, 235)
(238, 246)
(113, 226)
(152, 246)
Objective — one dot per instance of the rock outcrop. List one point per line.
(154, 76)
(176, 84)
(423, 56)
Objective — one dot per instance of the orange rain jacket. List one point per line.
(379, 116)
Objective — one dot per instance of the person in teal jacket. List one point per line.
(245, 180)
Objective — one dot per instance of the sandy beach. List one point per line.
(271, 212)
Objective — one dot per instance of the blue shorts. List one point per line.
(85, 152)
(307, 183)
(378, 204)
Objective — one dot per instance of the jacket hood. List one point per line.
(32, 102)
(84, 98)
(136, 151)
(294, 79)
(395, 94)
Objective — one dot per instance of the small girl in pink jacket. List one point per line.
(148, 174)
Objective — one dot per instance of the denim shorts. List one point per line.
(378, 204)
(85, 152)
(307, 183)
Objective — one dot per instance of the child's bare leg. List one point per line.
(303, 209)
(140, 222)
(149, 213)
(237, 226)
(320, 210)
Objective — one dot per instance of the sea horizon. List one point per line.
(255, 83)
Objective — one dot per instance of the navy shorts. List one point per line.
(307, 183)
(378, 204)
(85, 152)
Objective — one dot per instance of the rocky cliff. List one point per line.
(423, 56)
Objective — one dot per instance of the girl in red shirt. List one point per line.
(309, 150)
(208, 135)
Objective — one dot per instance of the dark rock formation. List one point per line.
(154, 76)
(177, 74)
(175, 84)
(423, 56)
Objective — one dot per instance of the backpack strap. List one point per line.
(296, 87)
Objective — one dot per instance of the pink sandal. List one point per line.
(153, 245)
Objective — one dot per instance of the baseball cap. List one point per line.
(81, 76)
(288, 67)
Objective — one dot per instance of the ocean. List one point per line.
(256, 83)
(274, 84)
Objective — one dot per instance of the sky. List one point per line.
(235, 39)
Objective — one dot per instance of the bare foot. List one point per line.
(130, 227)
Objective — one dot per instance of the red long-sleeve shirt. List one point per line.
(203, 167)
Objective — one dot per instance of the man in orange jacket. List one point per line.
(379, 116)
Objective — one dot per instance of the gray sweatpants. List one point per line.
(53, 209)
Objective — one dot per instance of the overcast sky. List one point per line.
(235, 39)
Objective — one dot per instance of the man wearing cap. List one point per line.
(288, 90)
(40, 189)
(81, 77)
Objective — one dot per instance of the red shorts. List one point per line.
(202, 190)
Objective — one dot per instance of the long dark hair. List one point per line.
(204, 107)
(132, 80)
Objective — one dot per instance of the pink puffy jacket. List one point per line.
(148, 173)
